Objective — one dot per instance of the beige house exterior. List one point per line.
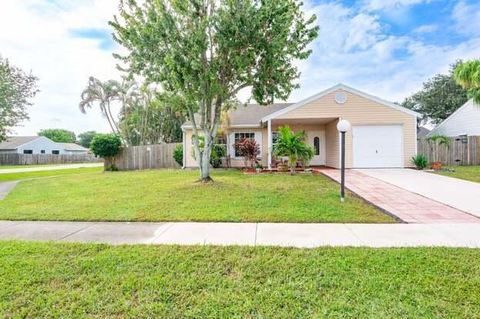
(383, 134)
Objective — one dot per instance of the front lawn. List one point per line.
(48, 173)
(173, 195)
(469, 173)
(45, 280)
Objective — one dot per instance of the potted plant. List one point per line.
(282, 167)
(293, 146)
(437, 140)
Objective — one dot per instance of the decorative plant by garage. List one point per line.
(438, 141)
(293, 146)
(107, 146)
(249, 149)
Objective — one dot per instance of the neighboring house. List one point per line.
(74, 149)
(464, 121)
(422, 131)
(38, 145)
(30, 145)
(383, 134)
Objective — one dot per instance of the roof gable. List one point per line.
(468, 112)
(343, 88)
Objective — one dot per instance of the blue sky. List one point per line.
(386, 48)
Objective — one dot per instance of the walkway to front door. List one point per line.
(407, 206)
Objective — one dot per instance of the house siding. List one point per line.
(333, 144)
(42, 143)
(359, 111)
(466, 121)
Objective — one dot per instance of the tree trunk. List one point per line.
(204, 164)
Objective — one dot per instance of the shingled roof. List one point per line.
(247, 115)
(13, 142)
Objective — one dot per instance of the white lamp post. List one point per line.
(343, 126)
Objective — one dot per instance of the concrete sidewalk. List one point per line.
(48, 167)
(251, 234)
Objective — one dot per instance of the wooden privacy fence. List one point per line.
(32, 159)
(146, 157)
(462, 150)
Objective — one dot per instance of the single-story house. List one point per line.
(383, 134)
(464, 121)
(38, 145)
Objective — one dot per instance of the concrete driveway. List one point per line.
(454, 192)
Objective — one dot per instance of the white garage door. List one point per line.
(377, 146)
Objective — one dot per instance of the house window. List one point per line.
(55, 152)
(316, 145)
(42, 152)
(241, 136)
(27, 151)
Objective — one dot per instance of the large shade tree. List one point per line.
(58, 135)
(17, 88)
(467, 74)
(203, 52)
(439, 97)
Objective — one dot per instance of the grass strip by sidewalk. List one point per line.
(40, 280)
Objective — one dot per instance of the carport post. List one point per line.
(342, 126)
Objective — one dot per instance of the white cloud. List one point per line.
(467, 18)
(390, 4)
(427, 28)
(36, 35)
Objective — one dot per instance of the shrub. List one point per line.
(178, 154)
(218, 151)
(249, 149)
(106, 146)
(420, 161)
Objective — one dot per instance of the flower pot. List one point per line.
(258, 170)
(282, 167)
(436, 166)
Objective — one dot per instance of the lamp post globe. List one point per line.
(343, 126)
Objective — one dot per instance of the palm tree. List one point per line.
(467, 74)
(438, 140)
(104, 93)
(292, 145)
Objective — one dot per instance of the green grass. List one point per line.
(469, 173)
(173, 195)
(45, 280)
(28, 166)
(48, 173)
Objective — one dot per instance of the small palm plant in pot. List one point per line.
(293, 146)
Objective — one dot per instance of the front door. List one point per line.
(317, 140)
